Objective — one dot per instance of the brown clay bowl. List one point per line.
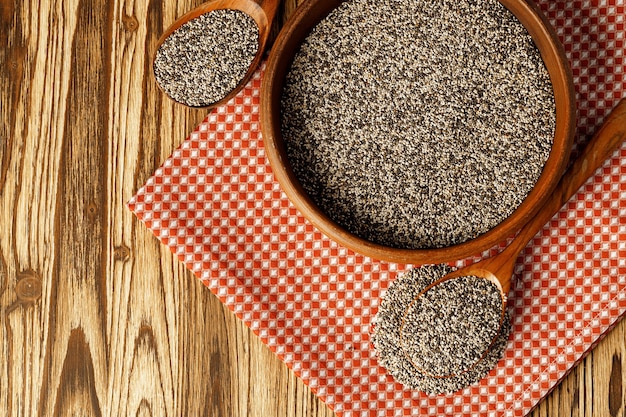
(278, 64)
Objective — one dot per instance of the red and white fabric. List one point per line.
(216, 205)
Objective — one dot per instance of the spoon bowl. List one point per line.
(499, 268)
(261, 11)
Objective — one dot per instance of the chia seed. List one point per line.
(206, 58)
(418, 124)
(388, 342)
(446, 330)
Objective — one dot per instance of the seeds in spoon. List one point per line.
(206, 58)
(448, 329)
(386, 339)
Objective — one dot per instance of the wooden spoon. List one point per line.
(499, 269)
(263, 13)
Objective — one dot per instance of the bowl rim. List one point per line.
(553, 55)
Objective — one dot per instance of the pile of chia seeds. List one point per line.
(446, 330)
(206, 58)
(390, 347)
(418, 124)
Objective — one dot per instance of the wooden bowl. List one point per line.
(279, 62)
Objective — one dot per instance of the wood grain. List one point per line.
(96, 317)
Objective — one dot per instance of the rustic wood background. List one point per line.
(96, 317)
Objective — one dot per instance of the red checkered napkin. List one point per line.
(216, 204)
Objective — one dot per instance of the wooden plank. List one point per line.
(98, 318)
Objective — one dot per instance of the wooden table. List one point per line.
(96, 316)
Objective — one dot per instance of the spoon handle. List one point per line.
(610, 136)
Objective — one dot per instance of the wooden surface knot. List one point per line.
(130, 23)
(92, 210)
(121, 253)
(28, 287)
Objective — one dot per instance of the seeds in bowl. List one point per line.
(206, 58)
(418, 124)
(386, 337)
